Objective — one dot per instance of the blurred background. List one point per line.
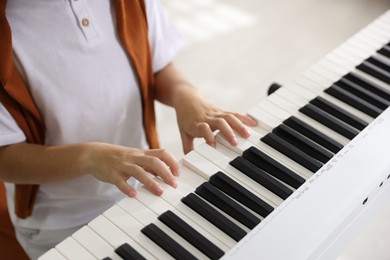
(233, 50)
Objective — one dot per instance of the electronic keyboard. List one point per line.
(313, 172)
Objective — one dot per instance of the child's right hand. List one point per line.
(116, 164)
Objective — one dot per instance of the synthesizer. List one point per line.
(314, 171)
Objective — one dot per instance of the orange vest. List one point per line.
(14, 94)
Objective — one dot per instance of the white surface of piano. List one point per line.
(315, 222)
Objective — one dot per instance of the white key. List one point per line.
(344, 60)
(331, 75)
(131, 226)
(380, 30)
(181, 241)
(268, 120)
(115, 236)
(301, 92)
(336, 60)
(153, 202)
(382, 58)
(202, 167)
(284, 104)
(309, 96)
(325, 130)
(326, 73)
(173, 197)
(296, 94)
(372, 38)
(321, 79)
(347, 107)
(254, 140)
(184, 193)
(230, 153)
(274, 110)
(373, 79)
(207, 155)
(351, 54)
(189, 179)
(369, 42)
(305, 93)
(159, 206)
(73, 250)
(138, 210)
(305, 99)
(264, 120)
(310, 85)
(322, 128)
(52, 254)
(96, 245)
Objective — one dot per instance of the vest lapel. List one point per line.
(133, 32)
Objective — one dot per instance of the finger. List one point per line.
(246, 119)
(187, 142)
(157, 166)
(203, 130)
(142, 176)
(167, 157)
(225, 129)
(127, 189)
(238, 125)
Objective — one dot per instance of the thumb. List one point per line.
(201, 130)
(187, 142)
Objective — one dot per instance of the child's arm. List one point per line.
(25, 163)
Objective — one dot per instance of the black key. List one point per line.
(385, 51)
(213, 216)
(274, 86)
(353, 101)
(305, 145)
(191, 235)
(261, 177)
(107, 258)
(329, 121)
(369, 85)
(292, 152)
(375, 71)
(227, 205)
(164, 241)
(241, 194)
(313, 134)
(273, 167)
(364, 94)
(340, 113)
(379, 63)
(128, 253)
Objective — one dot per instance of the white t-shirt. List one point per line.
(70, 56)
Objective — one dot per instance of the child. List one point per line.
(77, 128)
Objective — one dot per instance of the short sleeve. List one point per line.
(10, 132)
(165, 42)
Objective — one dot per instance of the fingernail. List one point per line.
(132, 193)
(234, 141)
(174, 183)
(247, 131)
(159, 191)
(177, 173)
